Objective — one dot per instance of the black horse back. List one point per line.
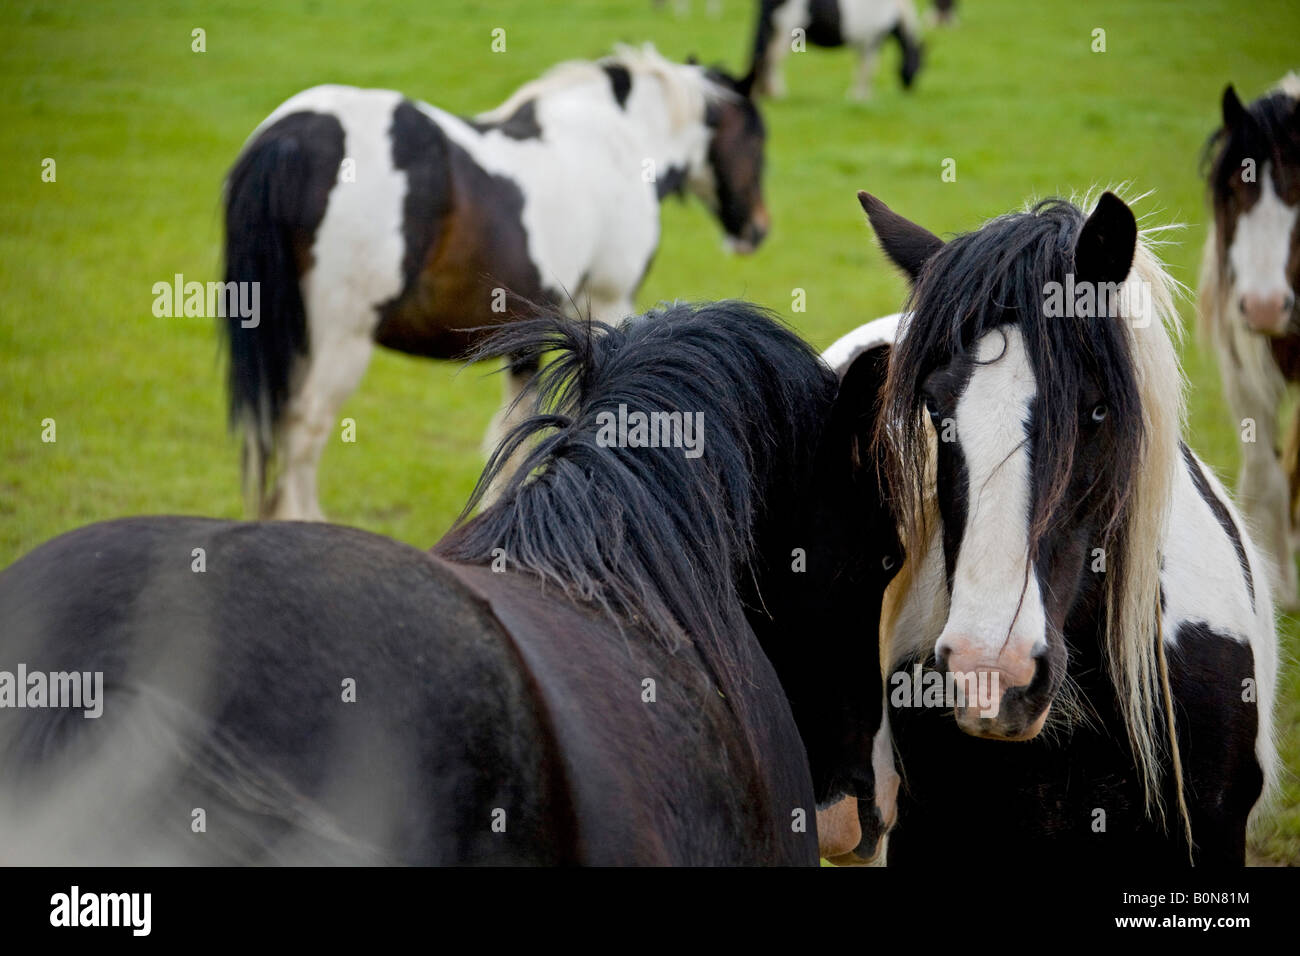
(298, 693)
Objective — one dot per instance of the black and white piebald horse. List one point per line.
(1250, 276)
(371, 218)
(787, 25)
(635, 655)
(1076, 578)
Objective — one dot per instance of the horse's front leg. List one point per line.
(865, 72)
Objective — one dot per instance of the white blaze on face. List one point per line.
(993, 556)
(1261, 245)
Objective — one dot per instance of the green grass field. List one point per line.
(142, 130)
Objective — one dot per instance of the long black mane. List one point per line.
(989, 278)
(654, 538)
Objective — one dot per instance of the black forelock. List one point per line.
(650, 536)
(992, 277)
(1271, 132)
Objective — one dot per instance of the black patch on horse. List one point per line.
(1218, 723)
(824, 23)
(911, 55)
(1220, 512)
(420, 150)
(672, 181)
(521, 124)
(942, 392)
(620, 80)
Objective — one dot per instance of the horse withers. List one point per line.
(367, 217)
(1250, 275)
(1079, 653)
(637, 654)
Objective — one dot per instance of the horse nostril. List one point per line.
(1241, 305)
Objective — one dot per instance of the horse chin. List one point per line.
(991, 729)
(1280, 329)
(855, 857)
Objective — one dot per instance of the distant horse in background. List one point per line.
(634, 656)
(861, 24)
(1250, 276)
(1074, 572)
(371, 218)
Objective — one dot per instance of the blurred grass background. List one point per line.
(143, 129)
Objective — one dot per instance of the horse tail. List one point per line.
(907, 31)
(265, 206)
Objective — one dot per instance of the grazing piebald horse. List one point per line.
(1076, 579)
(637, 654)
(1250, 276)
(861, 24)
(371, 218)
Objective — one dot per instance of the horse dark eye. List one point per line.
(932, 409)
(887, 562)
(1099, 413)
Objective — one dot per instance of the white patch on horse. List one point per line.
(840, 354)
(993, 563)
(1202, 575)
(1261, 246)
(863, 23)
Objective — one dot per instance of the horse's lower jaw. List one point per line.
(970, 722)
(740, 247)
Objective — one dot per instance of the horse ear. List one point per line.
(1105, 247)
(908, 245)
(1234, 114)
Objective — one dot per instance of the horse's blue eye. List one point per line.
(1099, 413)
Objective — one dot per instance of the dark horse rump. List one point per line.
(315, 714)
